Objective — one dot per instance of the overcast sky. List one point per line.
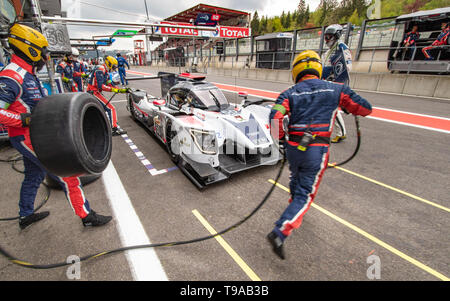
(134, 10)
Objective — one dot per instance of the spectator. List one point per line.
(441, 40)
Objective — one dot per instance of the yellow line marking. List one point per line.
(373, 238)
(391, 188)
(227, 247)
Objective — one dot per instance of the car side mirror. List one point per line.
(244, 95)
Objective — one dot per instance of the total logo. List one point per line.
(233, 32)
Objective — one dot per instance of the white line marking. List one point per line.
(411, 113)
(144, 263)
(409, 124)
(404, 95)
(123, 100)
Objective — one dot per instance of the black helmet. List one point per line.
(335, 30)
(118, 54)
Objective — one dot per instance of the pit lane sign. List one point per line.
(229, 32)
(124, 33)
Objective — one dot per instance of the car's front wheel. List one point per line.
(172, 143)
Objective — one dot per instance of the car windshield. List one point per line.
(212, 99)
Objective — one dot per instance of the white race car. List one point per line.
(206, 136)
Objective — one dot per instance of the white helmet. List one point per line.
(75, 52)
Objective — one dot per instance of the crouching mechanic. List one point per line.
(20, 92)
(336, 49)
(312, 105)
(99, 81)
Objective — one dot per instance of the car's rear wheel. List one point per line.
(172, 143)
(132, 108)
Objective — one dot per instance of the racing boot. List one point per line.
(25, 221)
(338, 139)
(94, 220)
(118, 131)
(277, 244)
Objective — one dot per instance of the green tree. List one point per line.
(255, 24)
(283, 19)
(436, 4)
(288, 21)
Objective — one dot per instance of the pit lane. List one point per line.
(412, 159)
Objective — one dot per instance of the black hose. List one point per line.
(155, 245)
(358, 144)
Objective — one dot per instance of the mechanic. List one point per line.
(20, 91)
(312, 105)
(332, 34)
(409, 42)
(441, 40)
(78, 70)
(65, 69)
(121, 62)
(99, 81)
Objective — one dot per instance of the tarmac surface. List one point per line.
(406, 225)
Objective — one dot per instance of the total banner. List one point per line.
(228, 32)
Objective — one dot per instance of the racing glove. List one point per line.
(26, 119)
(84, 75)
(116, 90)
(65, 79)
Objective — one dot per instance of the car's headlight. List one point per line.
(205, 141)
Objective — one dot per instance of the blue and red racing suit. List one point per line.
(66, 71)
(99, 81)
(312, 105)
(121, 62)
(78, 71)
(20, 91)
(441, 40)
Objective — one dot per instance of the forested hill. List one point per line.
(337, 11)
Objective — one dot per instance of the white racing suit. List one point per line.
(330, 74)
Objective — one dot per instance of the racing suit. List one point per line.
(328, 74)
(410, 43)
(78, 71)
(67, 72)
(20, 91)
(121, 62)
(99, 81)
(441, 40)
(312, 105)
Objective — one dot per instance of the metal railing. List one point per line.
(411, 59)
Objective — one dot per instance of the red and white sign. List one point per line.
(215, 17)
(229, 32)
(177, 31)
(233, 32)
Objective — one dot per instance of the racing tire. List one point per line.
(71, 134)
(170, 134)
(85, 180)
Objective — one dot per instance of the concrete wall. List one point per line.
(406, 84)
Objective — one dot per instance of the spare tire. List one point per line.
(85, 180)
(71, 134)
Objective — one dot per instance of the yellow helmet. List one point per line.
(111, 62)
(28, 41)
(307, 62)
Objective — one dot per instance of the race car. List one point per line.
(206, 136)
